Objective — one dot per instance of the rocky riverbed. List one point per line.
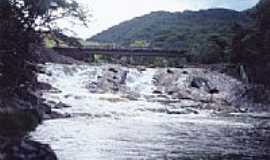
(117, 112)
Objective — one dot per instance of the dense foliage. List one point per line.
(251, 46)
(22, 22)
(206, 33)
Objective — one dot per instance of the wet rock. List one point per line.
(61, 105)
(113, 80)
(92, 87)
(79, 97)
(155, 80)
(155, 110)
(132, 96)
(214, 91)
(46, 108)
(51, 103)
(44, 86)
(123, 77)
(243, 109)
(56, 115)
(185, 72)
(113, 70)
(202, 83)
(157, 92)
(26, 150)
(198, 82)
(18, 116)
(169, 71)
(183, 94)
(67, 95)
(165, 78)
(181, 111)
(141, 69)
(171, 92)
(114, 88)
(219, 108)
(17, 124)
(55, 90)
(113, 99)
(180, 66)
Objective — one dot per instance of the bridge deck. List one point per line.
(124, 52)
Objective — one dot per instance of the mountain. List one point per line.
(190, 30)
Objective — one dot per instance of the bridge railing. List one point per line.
(124, 51)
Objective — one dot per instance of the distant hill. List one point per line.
(190, 30)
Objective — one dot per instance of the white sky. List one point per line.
(107, 13)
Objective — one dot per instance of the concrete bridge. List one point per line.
(88, 54)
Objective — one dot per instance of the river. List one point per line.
(109, 124)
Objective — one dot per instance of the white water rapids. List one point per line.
(108, 125)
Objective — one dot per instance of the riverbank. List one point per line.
(21, 110)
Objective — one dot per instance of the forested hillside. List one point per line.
(251, 45)
(206, 33)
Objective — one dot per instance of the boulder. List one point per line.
(203, 83)
(61, 105)
(185, 72)
(56, 115)
(199, 82)
(157, 92)
(26, 150)
(123, 77)
(141, 68)
(43, 86)
(17, 124)
(169, 71)
(181, 111)
(113, 70)
(113, 80)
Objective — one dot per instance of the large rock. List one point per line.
(200, 85)
(113, 80)
(16, 124)
(25, 150)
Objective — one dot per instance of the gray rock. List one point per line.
(44, 86)
(61, 105)
(157, 92)
(141, 69)
(26, 150)
(113, 70)
(56, 115)
(185, 72)
(169, 71)
(199, 82)
(181, 111)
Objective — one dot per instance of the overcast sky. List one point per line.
(106, 13)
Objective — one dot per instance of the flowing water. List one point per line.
(108, 125)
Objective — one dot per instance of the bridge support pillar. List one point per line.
(91, 58)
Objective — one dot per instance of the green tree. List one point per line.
(23, 23)
(251, 45)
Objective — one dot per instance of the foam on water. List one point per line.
(141, 81)
(110, 126)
